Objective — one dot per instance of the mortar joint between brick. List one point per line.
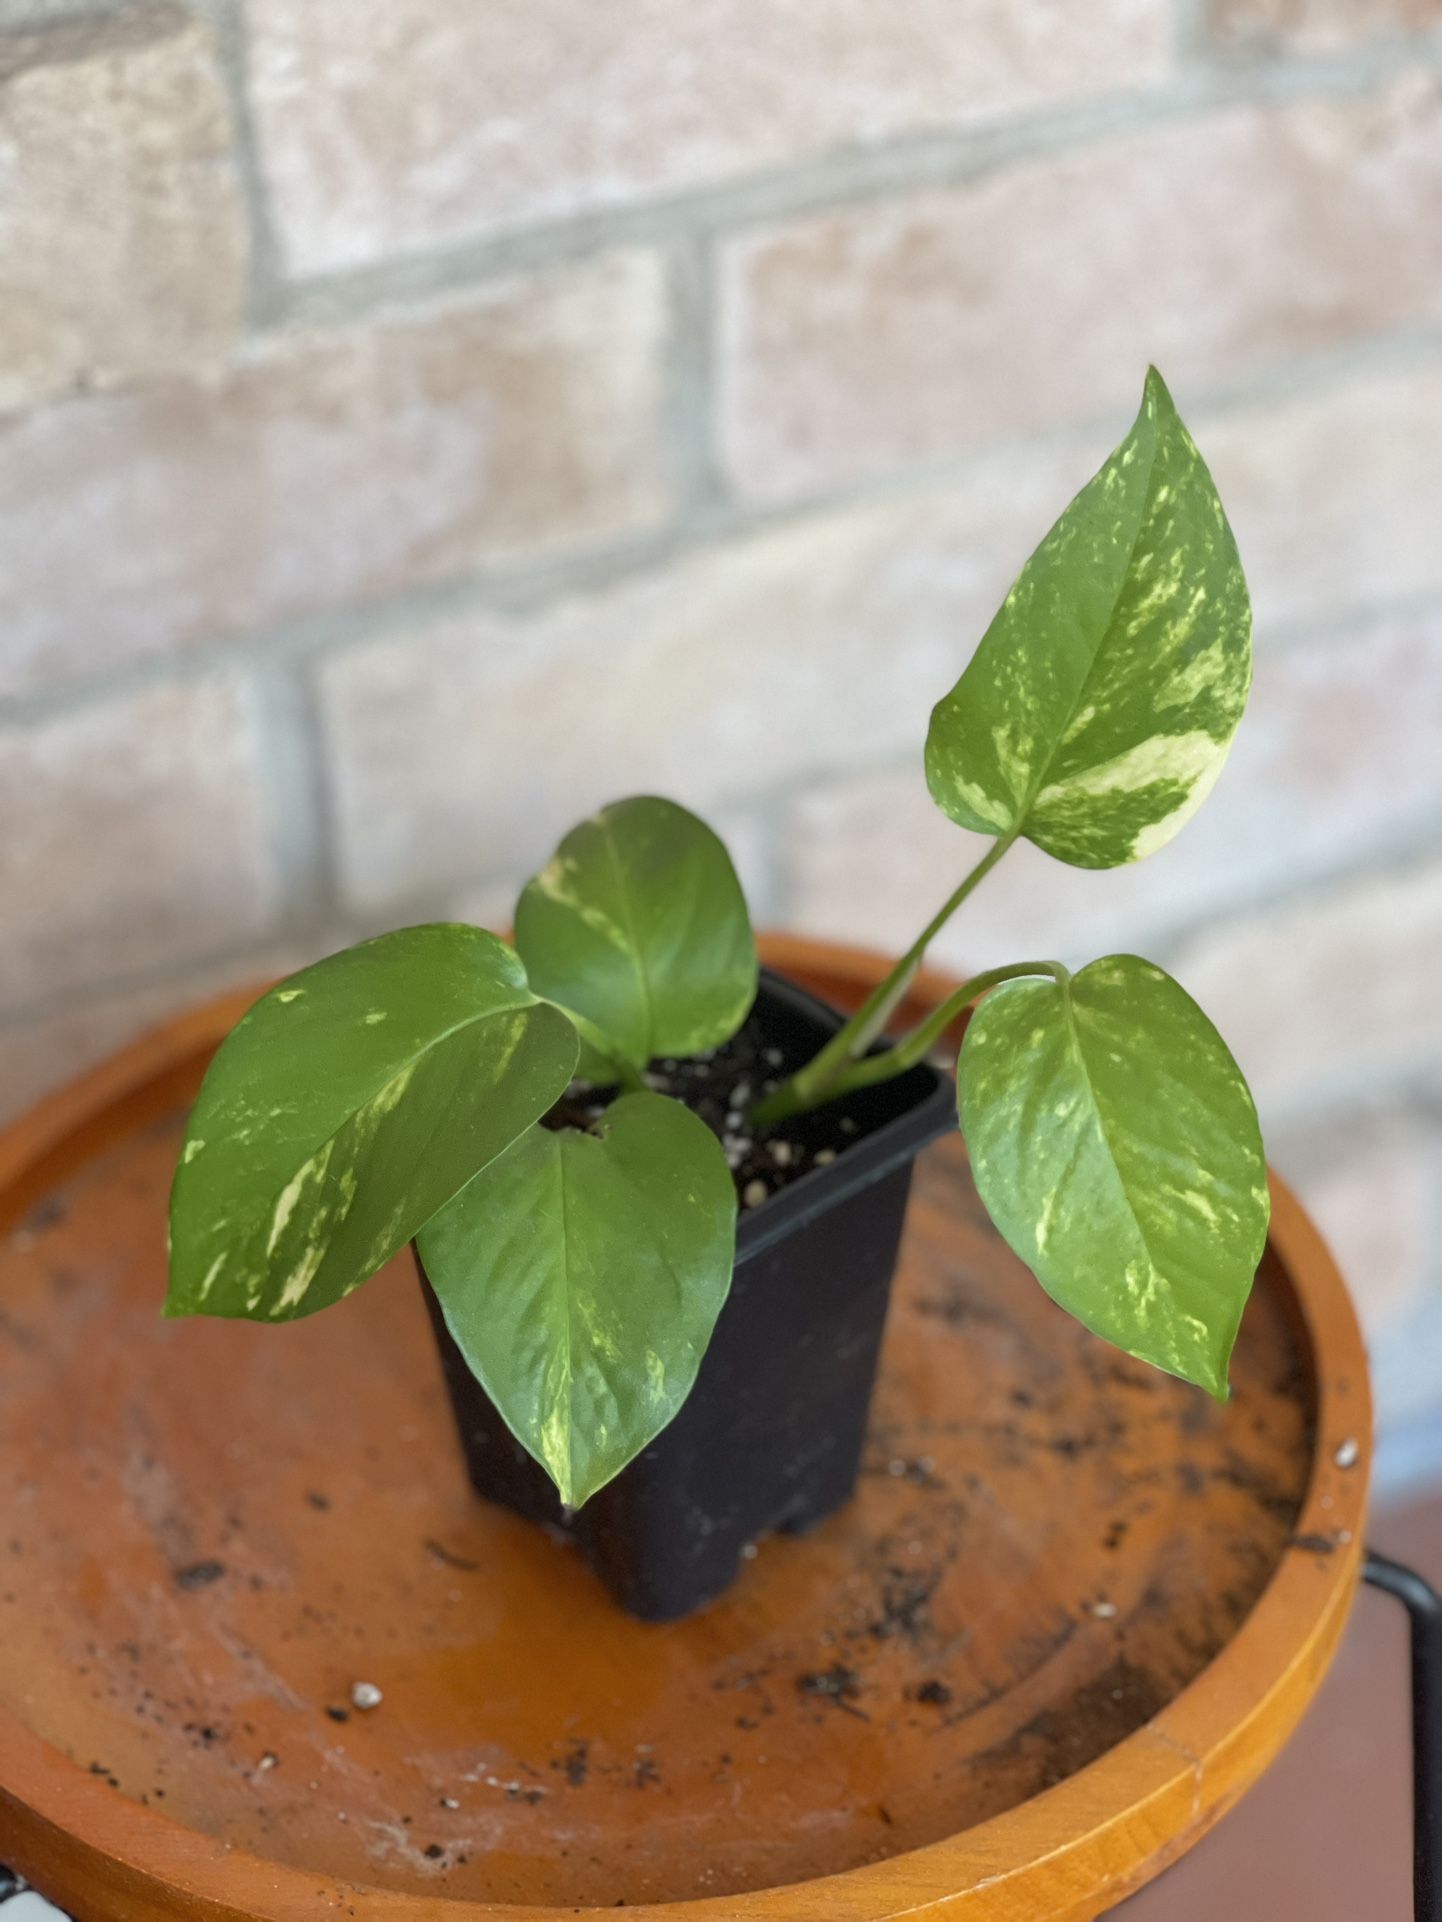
(749, 803)
(325, 930)
(1332, 1100)
(843, 178)
(18, 17)
(1191, 37)
(1426, 1113)
(268, 278)
(777, 881)
(701, 489)
(292, 760)
(530, 586)
(179, 969)
(1410, 848)
(1342, 627)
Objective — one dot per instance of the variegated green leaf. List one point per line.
(582, 1274)
(346, 1108)
(1097, 712)
(637, 926)
(1115, 1144)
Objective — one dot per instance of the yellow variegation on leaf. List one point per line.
(396, 1089)
(581, 1276)
(1115, 1144)
(345, 1108)
(1098, 709)
(638, 928)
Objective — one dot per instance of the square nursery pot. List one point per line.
(771, 1435)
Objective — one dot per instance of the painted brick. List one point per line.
(389, 125)
(1372, 1187)
(1322, 996)
(749, 838)
(135, 835)
(1333, 493)
(333, 467)
(124, 240)
(470, 746)
(1254, 29)
(929, 324)
(1302, 792)
(41, 1054)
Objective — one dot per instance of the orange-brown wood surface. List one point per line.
(1074, 1610)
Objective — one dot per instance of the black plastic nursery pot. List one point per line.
(771, 1435)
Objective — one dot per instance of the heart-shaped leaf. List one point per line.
(345, 1108)
(1097, 712)
(581, 1276)
(638, 927)
(1116, 1147)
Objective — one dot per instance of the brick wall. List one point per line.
(421, 421)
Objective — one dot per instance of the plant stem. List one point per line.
(911, 1048)
(808, 1087)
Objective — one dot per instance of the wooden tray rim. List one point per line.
(1090, 1840)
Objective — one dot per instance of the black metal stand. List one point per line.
(1424, 1612)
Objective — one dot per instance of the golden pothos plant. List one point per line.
(399, 1089)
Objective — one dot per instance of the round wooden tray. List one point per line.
(1072, 1613)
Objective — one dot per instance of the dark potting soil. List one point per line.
(720, 1086)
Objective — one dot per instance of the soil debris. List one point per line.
(1316, 1544)
(838, 1684)
(448, 1558)
(198, 1575)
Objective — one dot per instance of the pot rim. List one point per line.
(929, 1114)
